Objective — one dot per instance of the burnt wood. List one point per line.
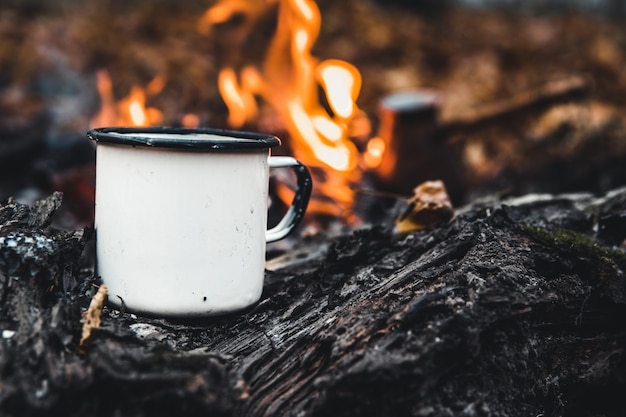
(516, 307)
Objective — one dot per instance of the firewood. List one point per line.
(509, 309)
(530, 102)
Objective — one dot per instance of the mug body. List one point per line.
(181, 231)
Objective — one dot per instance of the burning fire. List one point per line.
(316, 101)
(290, 79)
(131, 110)
(374, 153)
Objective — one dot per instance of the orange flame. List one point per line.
(374, 152)
(131, 110)
(289, 81)
(315, 100)
(238, 98)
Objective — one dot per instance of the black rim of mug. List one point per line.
(221, 139)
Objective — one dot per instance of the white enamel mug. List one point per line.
(181, 217)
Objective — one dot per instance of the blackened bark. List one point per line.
(514, 308)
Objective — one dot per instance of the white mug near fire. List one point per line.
(181, 217)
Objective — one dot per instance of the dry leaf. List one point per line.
(91, 317)
(429, 205)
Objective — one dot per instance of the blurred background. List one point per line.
(376, 96)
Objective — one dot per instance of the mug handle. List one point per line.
(300, 201)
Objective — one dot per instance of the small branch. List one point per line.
(535, 100)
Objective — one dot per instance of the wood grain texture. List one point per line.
(511, 309)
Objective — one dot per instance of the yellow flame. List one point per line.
(136, 107)
(107, 115)
(301, 40)
(239, 98)
(341, 82)
(225, 10)
(337, 157)
(374, 152)
(229, 89)
(327, 128)
(290, 80)
(219, 13)
(304, 7)
(129, 111)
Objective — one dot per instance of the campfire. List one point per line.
(313, 101)
(342, 87)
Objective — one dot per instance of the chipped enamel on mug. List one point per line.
(181, 217)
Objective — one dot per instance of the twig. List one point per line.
(535, 100)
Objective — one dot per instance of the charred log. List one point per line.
(513, 308)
